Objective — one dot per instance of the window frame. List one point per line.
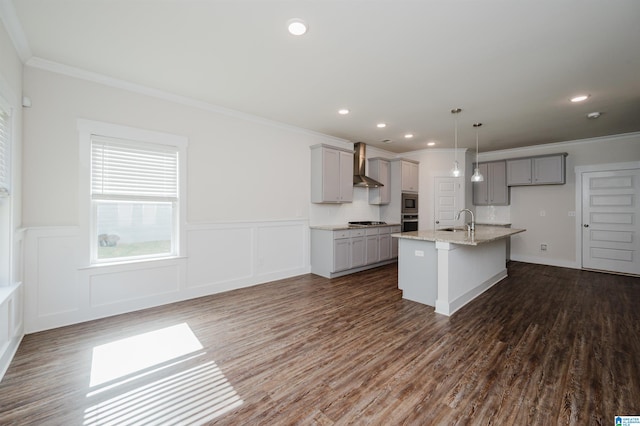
(5, 107)
(88, 214)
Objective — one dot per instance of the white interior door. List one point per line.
(610, 213)
(446, 201)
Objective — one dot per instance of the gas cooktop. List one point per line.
(367, 223)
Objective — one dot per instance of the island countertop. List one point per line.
(482, 234)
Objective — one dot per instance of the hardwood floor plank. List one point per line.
(544, 346)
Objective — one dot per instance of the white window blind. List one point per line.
(5, 143)
(124, 170)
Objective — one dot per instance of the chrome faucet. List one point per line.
(472, 226)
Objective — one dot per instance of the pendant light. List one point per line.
(455, 171)
(477, 176)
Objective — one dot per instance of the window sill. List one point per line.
(132, 262)
(7, 291)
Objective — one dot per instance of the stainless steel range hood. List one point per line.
(359, 158)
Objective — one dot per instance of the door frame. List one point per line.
(579, 170)
(459, 199)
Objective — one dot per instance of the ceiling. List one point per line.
(512, 65)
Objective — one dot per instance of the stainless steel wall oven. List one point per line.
(409, 222)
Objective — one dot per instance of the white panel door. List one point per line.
(446, 201)
(610, 228)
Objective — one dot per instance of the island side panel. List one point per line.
(418, 270)
(465, 272)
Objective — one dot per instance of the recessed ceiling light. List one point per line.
(381, 125)
(580, 98)
(386, 141)
(408, 135)
(594, 115)
(343, 111)
(431, 143)
(296, 26)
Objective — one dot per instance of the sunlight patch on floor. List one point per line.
(194, 396)
(126, 356)
(145, 380)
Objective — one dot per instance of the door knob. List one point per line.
(586, 225)
(437, 222)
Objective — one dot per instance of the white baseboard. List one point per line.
(9, 353)
(451, 308)
(545, 261)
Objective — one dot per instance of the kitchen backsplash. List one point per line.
(338, 214)
(493, 214)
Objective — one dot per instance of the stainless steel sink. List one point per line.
(454, 229)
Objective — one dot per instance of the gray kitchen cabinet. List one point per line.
(331, 174)
(380, 170)
(493, 191)
(340, 252)
(371, 241)
(410, 175)
(358, 250)
(384, 246)
(394, 241)
(539, 170)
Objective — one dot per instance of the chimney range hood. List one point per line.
(359, 158)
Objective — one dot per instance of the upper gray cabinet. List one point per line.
(380, 170)
(410, 175)
(540, 170)
(331, 174)
(493, 191)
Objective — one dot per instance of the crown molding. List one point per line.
(14, 29)
(79, 73)
(559, 145)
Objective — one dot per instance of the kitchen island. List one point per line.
(448, 269)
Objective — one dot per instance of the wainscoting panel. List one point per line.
(57, 279)
(61, 290)
(52, 292)
(218, 255)
(11, 324)
(281, 247)
(109, 288)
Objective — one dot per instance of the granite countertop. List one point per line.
(347, 226)
(483, 234)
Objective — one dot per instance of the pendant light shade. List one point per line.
(455, 171)
(477, 176)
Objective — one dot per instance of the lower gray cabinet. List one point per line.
(358, 251)
(372, 245)
(394, 241)
(340, 252)
(384, 247)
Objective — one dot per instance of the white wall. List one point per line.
(248, 199)
(556, 228)
(11, 291)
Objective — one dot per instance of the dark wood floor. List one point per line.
(545, 346)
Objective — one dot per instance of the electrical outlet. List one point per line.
(572, 214)
(543, 213)
(543, 247)
(419, 253)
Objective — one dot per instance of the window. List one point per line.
(5, 144)
(135, 183)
